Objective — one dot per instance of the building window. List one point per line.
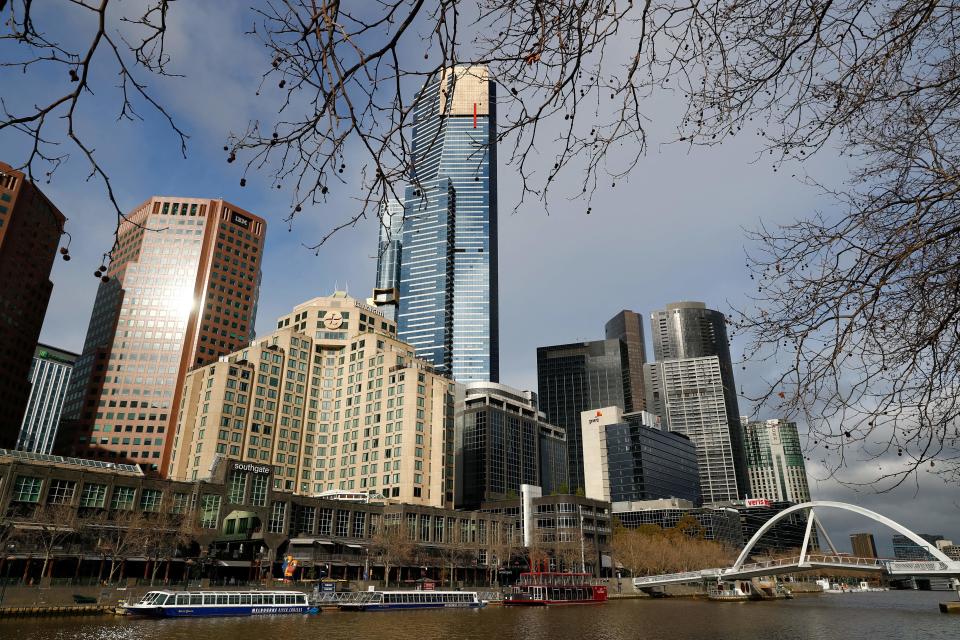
(209, 511)
(122, 498)
(238, 486)
(27, 489)
(150, 500)
(326, 522)
(258, 490)
(179, 503)
(277, 516)
(343, 523)
(61, 491)
(359, 522)
(93, 495)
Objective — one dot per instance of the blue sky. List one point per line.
(673, 231)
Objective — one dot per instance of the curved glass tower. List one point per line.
(448, 275)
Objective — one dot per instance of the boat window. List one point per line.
(257, 598)
(209, 598)
(245, 598)
(164, 598)
(234, 598)
(221, 598)
(196, 598)
(183, 598)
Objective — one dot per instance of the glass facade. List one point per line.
(502, 442)
(627, 326)
(644, 463)
(387, 287)
(49, 380)
(721, 525)
(688, 330)
(906, 549)
(775, 461)
(454, 153)
(573, 378)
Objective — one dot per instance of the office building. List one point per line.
(786, 535)
(332, 400)
(502, 442)
(627, 326)
(386, 291)
(690, 331)
(906, 549)
(626, 457)
(448, 307)
(49, 379)
(720, 525)
(183, 283)
(863, 545)
(30, 230)
(775, 461)
(690, 395)
(573, 378)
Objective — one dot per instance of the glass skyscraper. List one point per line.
(49, 380)
(448, 308)
(775, 461)
(387, 288)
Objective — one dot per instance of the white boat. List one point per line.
(200, 604)
(420, 599)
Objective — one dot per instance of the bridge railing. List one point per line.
(678, 577)
(910, 566)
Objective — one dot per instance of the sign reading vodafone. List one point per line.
(757, 502)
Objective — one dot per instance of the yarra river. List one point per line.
(868, 616)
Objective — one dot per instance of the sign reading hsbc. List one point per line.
(239, 220)
(250, 467)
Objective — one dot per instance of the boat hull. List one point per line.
(547, 603)
(360, 606)
(215, 611)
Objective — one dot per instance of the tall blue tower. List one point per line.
(448, 307)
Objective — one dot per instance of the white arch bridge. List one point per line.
(941, 565)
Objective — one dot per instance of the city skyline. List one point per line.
(594, 257)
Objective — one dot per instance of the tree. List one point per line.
(119, 535)
(650, 550)
(392, 546)
(166, 534)
(50, 526)
(855, 315)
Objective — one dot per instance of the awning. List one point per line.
(235, 563)
(303, 540)
(353, 546)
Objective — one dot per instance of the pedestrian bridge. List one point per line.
(941, 565)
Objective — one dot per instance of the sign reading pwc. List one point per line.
(250, 467)
(240, 220)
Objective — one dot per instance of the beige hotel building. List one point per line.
(332, 400)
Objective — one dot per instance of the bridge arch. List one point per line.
(843, 506)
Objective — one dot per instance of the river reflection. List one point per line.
(867, 616)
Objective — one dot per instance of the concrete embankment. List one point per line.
(47, 611)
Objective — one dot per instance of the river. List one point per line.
(855, 616)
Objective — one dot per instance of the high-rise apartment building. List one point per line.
(689, 396)
(386, 290)
(863, 545)
(332, 400)
(573, 378)
(448, 275)
(183, 285)
(503, 441)
(30, 230)
(775, 461)
(690, 331)
(627, 326)
(49, 380)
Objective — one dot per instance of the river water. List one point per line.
(855, 616)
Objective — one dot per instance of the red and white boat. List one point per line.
(544, 588)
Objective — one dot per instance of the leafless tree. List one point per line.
(119, 534)
(392, 547)
(855, 314)
(50, 526)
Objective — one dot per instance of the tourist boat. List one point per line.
(419, 599)
(542, 588)
(730, 591)
(198, 604)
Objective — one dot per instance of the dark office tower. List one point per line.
(386, 291)
(49, 381)
(30, 229)
(863, 545)
(182, 291)
(627, 326)
(573, 378)
(689, 331)
(454, 140)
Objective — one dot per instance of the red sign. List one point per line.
(757, 502)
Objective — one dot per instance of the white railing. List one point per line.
(914, 566)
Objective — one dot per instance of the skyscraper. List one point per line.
(627, 326)
(49, 380)
(775, 461)
(448, 276)
(386, 291)
(688, 396)
(688, 330)
(863, 545)
(573, 378)
(182, 291)
(30, 229)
